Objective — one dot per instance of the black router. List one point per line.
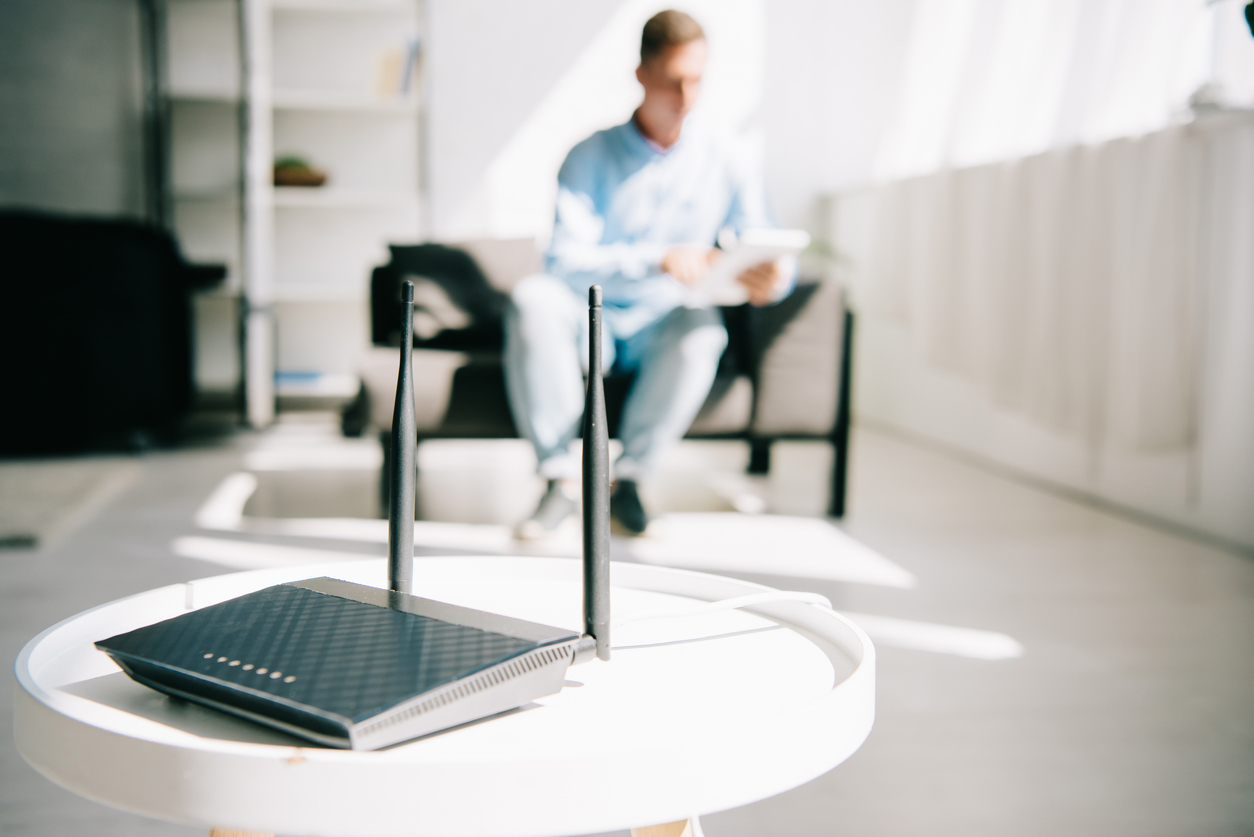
(356, 667)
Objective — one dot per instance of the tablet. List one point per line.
(739, 253)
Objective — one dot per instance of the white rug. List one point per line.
(800, 547)
(761, 544)
(883, 630)
(764, 544)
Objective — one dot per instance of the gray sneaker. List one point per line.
(555, 506)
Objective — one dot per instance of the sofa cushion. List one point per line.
(727, 409)
(799, 365)
(433, 384)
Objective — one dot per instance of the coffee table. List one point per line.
(693, 715)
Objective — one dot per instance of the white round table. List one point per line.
(692, 715)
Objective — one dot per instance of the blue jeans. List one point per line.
(546, 353)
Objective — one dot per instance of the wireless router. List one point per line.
(356, 667)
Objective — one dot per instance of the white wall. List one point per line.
(860, 91)
(833, 70)
(70, 95)
(489, 65)
(512, 86)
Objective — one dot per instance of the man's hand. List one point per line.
(688, 264)
(761, 281)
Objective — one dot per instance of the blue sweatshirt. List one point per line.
(622, 202)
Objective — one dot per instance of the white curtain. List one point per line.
(1038, 226)
(988, 80)
(1069, 285)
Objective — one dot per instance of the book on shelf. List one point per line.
(397, 70)
(412, 66)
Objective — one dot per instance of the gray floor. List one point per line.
(1131, 712)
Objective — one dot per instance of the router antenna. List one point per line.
(404, 441)
(596, 492)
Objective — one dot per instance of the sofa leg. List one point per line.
(840, 468)
(759, 456)
(840, 433)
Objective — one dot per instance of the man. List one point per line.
(639, 208)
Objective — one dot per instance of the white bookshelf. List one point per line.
(322, 84)
(330, 101)
(202, 87)
(247, 82)
(290, 196)
(354, 6)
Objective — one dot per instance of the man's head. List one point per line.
(672, 61)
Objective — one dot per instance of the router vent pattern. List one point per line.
(494, 677)
(342, 654)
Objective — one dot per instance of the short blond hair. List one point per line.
(667, 29)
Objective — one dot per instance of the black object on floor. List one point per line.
(96, 333)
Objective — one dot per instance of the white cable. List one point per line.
(724, 604)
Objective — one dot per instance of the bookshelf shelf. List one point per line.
(228, 98)
(314, 384)
(295, 197)
(318, 295)
(200, 83)
(219, 293)
(207, 195)
(334, 101)
(330, 86)
(332, 82)
(344, 6)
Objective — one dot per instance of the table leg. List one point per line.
(230, 832)
(683, 828)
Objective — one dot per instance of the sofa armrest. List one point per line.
(798, 390)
